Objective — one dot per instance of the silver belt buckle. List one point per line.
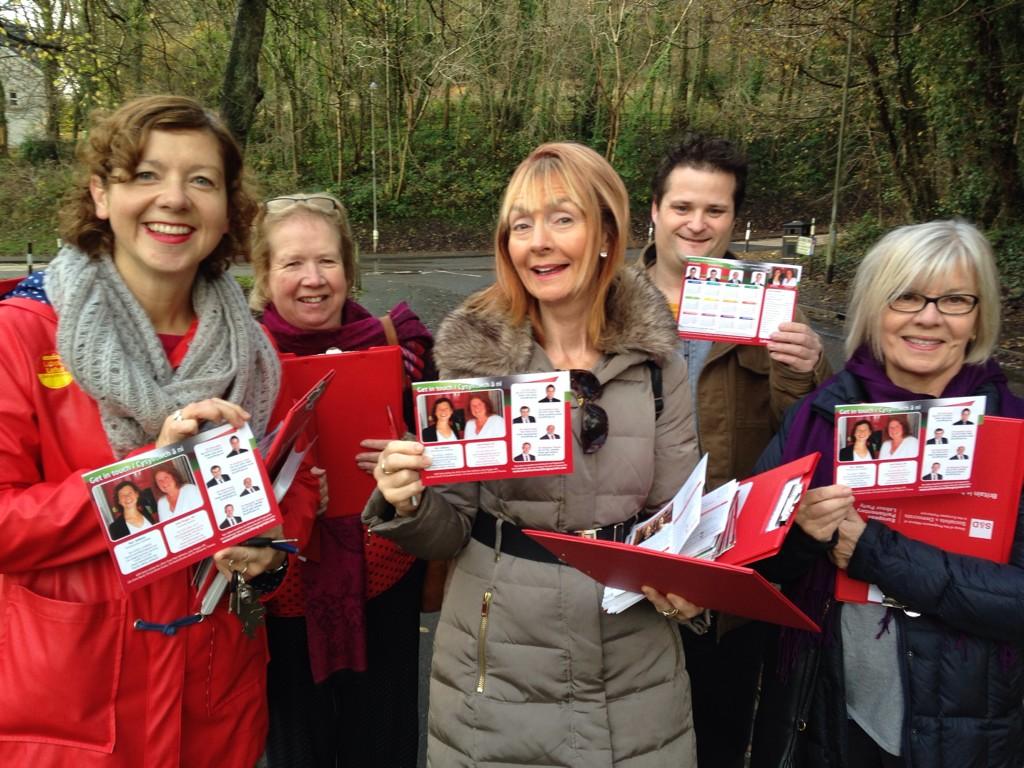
(588, 533)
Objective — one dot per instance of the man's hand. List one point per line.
(795, 345)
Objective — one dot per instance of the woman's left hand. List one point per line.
(671, 606)
(850, 529)
(795, 345)
(367, 460)
(250, 561)
(185, 421)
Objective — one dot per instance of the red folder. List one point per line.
(722, 585)
(363, 402)
(980, 522)
(753, 539)
(8, 284)
(729, 588)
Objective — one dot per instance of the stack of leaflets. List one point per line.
(704, 527)
(699, 547)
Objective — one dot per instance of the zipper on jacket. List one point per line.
(481, 649)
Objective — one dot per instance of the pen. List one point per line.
(283, 545)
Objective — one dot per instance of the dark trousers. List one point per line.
(863, 752)
(354, 719)
(723, 677)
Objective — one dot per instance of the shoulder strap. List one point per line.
(659, 401)
(389, 329)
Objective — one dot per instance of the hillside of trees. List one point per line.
(448, 95)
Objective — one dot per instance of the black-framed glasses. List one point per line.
(319, 202)
(949, 304)
(586, 388)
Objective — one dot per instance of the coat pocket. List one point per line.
(60, 665)
(236, 668)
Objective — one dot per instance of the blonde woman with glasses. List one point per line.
(527, 668)
(342, 656)
(937, 677)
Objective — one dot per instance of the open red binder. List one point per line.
(724, 584)
(363, 401)
(980, 522)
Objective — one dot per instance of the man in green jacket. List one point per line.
(740, 393)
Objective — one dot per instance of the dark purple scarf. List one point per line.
(334, 588)
(813, 431)
(359, 330)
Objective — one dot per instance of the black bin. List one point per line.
(791, 231)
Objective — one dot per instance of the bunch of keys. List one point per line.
(242, 602)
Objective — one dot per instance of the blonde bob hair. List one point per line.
(911, 257)
(300, 206)
(562, 170)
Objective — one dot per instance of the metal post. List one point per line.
(28, 258)
(373, 165)
(746, 239)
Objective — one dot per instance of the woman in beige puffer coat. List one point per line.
(528, 670)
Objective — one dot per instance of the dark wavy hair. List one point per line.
(113, 150)
(433, 408)
(703, 153)
(143, 508)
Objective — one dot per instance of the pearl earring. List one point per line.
(603, 254)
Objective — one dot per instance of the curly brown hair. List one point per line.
(112, 151)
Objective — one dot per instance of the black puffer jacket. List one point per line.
(961, 661)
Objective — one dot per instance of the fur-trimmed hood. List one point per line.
(473, 343)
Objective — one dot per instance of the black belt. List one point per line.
(515, 542)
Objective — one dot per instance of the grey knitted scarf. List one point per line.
(107, 341)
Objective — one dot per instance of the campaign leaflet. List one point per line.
(920, 446)
(193, 498)
(738, 301)
(980, 522)
(495, 428)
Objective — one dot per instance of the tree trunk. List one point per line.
(3, 120)
(241, 93)
(1006, 203)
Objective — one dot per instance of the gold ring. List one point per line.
(383, 468)
(670, 614)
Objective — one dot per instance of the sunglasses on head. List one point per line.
(319, 202)
(587, 388)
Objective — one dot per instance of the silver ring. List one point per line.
(177, 415)
(670, 614)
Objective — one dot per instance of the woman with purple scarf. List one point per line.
(342, 681)
(936, 678)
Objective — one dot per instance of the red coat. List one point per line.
(78, 685)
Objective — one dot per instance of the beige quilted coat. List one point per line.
(527, 670)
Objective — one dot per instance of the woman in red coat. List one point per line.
(133, 336)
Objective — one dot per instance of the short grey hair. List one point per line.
(914, 255)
